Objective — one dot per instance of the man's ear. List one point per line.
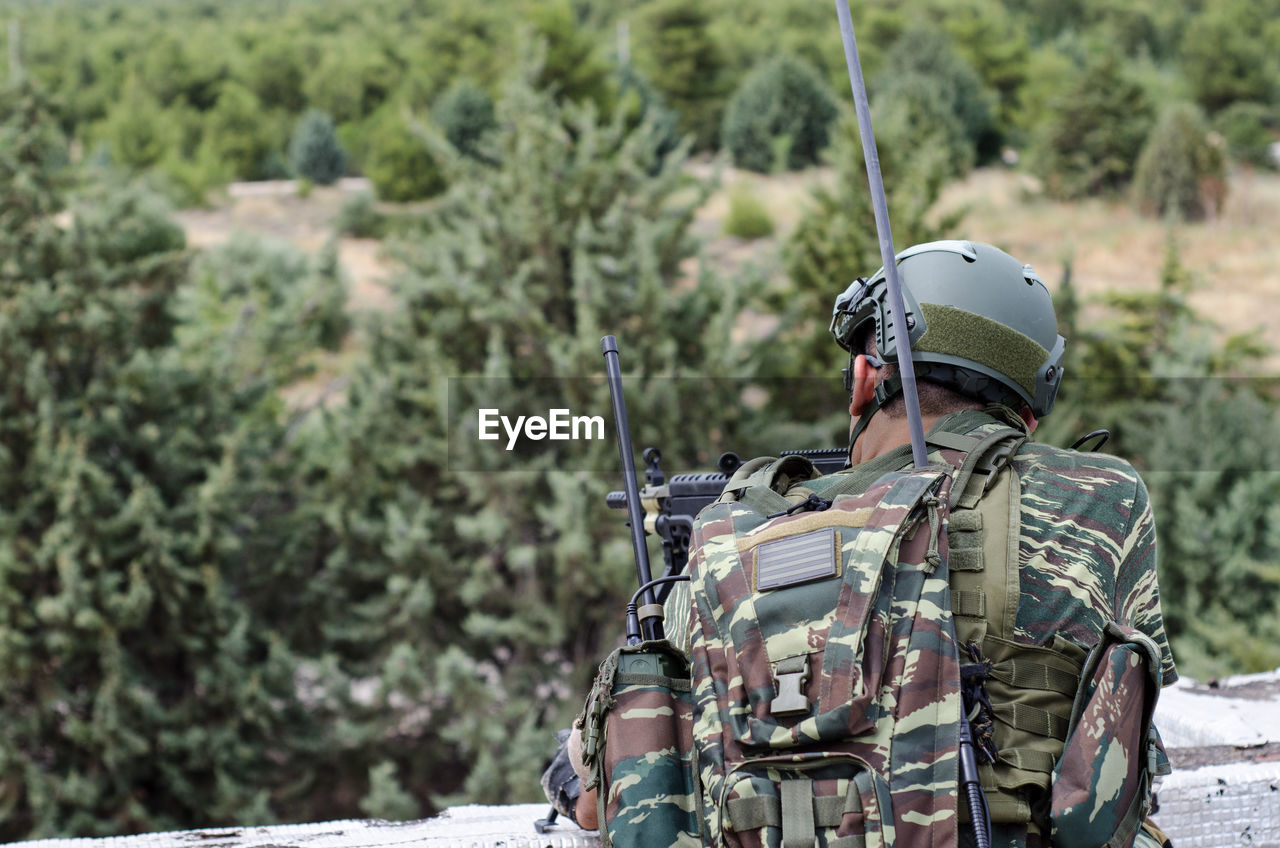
(864, 386)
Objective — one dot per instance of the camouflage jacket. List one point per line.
(1081, 539)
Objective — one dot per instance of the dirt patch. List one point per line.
(1235, 259)
(274, 209)
(1108, 243)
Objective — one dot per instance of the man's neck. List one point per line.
(883, 434)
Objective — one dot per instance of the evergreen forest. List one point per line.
(228, 599)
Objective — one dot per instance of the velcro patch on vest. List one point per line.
(798, 559)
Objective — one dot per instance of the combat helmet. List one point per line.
(979, 322)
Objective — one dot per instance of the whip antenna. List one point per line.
(901, 332)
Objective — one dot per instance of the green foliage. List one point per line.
(400, 163)
(145, 686)
(684, 62)
(464, 113)
(928, 96)
(988, 39)
(135, 129)
(782, 98)
(352, 60)
(1229, 57)
(748, 218)
(1182, 171)
(1247, 128)
(353, 78)
(1093, 130)
(256, 308)
(1153, 374)
(639, 101)
(189, 180)
(314, 151)
(241, 134)
(455, 582)
(387, 798)
(359, 217)
(130, 224)
(276, 72)
(571, 64)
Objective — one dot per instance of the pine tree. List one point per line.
(782, 101)
(314, 151)
(1182, 169)
(477, 587)
(927, 96)
(143, 688)
(686, 65)
(1093, 130)
(464, 113)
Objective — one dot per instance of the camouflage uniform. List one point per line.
(1085, 555)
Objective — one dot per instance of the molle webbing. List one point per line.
(825, 812)
(956, 332)
(983, 535)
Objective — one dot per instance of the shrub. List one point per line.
(240, 131)
(748, 218)
(360, 218)
(131, 223)
(146, 683)
(1181, 171)
(1228, 57)
(399, 163)
(571, 66)
(1246, 128)
(1094, 128)
(686, 64)
(136, 128)
(464, 114)
(189, 180)
(783, 98)
(927, 96)
(314, 151)
(256, 307)
(639, 101)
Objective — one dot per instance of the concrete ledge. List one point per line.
(459, 827)
(1224, 741)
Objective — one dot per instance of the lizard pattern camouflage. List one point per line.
(1041, 558)
(637, 744)
(828, 706)
(1101, 786)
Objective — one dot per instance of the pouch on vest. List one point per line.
(637, 746)
(827, 703)
(1102, 783)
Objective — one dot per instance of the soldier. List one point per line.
(1056, 549)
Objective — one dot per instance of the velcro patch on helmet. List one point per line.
(798, 559)
(957, 332)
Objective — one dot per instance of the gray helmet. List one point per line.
(980, 322)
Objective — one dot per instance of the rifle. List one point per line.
(669, 507)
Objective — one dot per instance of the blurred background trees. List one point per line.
(220, 605)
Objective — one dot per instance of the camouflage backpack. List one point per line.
(826, 681)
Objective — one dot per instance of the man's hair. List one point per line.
(935, 399)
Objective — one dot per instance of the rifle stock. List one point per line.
(670, 506)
